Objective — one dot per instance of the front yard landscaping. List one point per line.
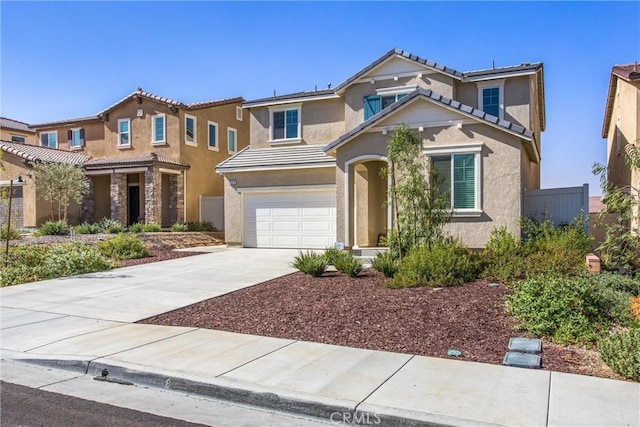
(362, 312)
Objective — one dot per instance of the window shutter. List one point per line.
(371, 106)
(464, 181)
(82, 137)
(70, 138)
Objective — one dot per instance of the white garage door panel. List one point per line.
(290, 219)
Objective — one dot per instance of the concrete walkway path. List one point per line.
(86, 324)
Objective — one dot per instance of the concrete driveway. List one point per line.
(133, 293)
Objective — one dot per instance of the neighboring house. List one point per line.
(622, 123)
(311, 175)
(15, 131)
(149, 158)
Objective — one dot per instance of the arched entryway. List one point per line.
(368, 214)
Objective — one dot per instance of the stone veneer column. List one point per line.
(152, 195)
(88, 203)
(119, 197)
(180, 197)
(173, 199)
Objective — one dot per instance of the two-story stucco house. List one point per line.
(311, 175)
(148, 158)
(622, 124)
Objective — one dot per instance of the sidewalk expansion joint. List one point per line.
(257, 358)
(75, 336)
(382, 383)
(549, 398)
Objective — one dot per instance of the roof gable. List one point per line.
(421, 112)
(438, 101)
(629, 73)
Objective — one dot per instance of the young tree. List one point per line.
(60, 184)
(420, 209)
(621, 246)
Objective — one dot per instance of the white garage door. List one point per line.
(293, 219)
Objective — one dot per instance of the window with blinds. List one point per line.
(455, 176)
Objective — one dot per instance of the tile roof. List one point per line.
(628, 72)
(295, 95)
(213, 103)
(141, 160)
(66, 122)
(299, 156)
(595, 204)
(474, 113)
(503, 70)
(6, 123)
(34, 153)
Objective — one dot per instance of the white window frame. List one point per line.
(217, 144)
(476, 150)
(73, 135)
(238, 113)
(491, 84)
(235, 139)
(120, 145)
(153, 129)
(55, 132)
(193, 143)
(285, 108)
(24, 139)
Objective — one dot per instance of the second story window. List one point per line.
(375, 103)
(49, 139)
(231, 139)
(158, 129)
(212, 132)
(19, 139)
(124, 133)
(491, 97)
(285, 123)
(190, 135)
(75, 138)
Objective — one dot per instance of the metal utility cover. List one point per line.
(525, 345)
(522, 360)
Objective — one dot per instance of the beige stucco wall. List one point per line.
(501, 181)
(233, 207)
(322, 121)
(202, 180)
(6, 134)
(626, 105)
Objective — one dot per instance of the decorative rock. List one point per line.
(456, 353)
(494, 285)
(525, 345)
(522, 360)
(437, 289)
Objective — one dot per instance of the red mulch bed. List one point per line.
(362, 312)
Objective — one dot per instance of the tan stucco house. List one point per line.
(16, 131)
(622, 124)
(311, 175)
(149, 158)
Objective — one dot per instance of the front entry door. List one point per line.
(134, 204)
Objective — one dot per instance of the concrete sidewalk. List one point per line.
(329, 382)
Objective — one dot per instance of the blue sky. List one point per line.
(71, 59)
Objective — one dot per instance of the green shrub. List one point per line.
(502, 257)
(567, 310)
(151, 227)
(200, 226)
(618, 282)
(136, 227)
(346, 263)
(55, 228)
(444, 264)
(386, 263)
(123, 246)
(110, 226)
(332, 255)
(615, 291)
(13, 233)
(559, 251)
(178, 227)
(29, 263)
(310, 263)
(621, 351)
(87, 228)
